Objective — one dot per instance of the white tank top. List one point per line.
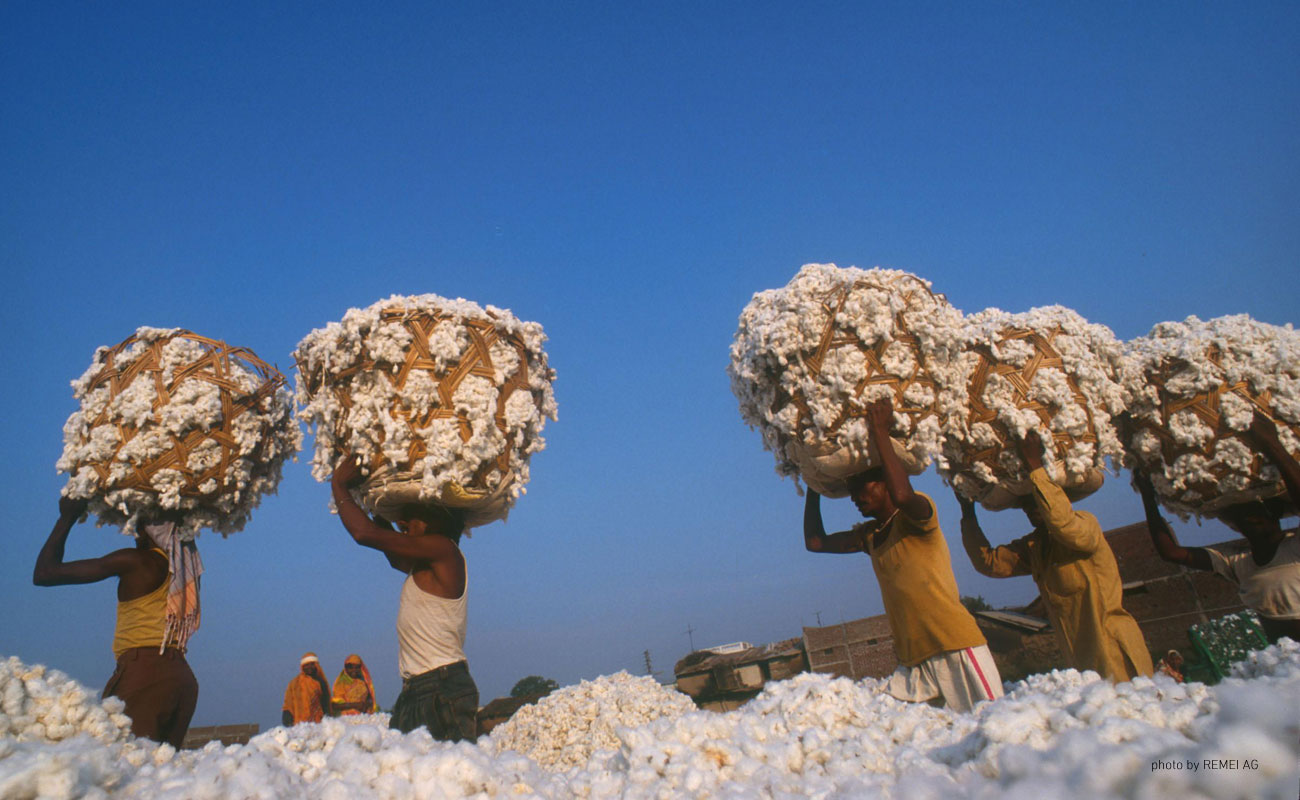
(430, 629)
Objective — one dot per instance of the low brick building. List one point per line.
(721, 681)
(856, 649)
(196, 738)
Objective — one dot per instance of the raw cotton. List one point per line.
(173, 422)
(1047, 370)
(443, 400)
(808, 358)
(45, 705)
(1194, 388)
(567, 726)
(1064, 734)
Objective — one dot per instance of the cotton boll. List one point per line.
(1046, 370)
(179, 394)
(808, 358)
(431, 423)
(1200, 382)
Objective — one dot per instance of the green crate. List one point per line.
(1222, 642)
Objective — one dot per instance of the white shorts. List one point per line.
(963, 677)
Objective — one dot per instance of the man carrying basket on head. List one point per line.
(941, 652)
(1075, 569)
(437, 690)
(157, 612)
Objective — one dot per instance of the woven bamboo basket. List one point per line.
(810, 400)
(1203, 474)
(209, 468)
(417, 467)
(984, 463)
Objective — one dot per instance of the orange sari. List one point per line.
(348, 689)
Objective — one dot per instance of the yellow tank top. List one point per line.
(141, 622)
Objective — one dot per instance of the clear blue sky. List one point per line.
(627, 175)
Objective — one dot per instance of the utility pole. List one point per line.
(649, 670)
(691, 633)
(819, 618)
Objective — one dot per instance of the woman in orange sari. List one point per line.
(354, 693)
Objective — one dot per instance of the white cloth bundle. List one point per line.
(1047, 370)
(173, 423)
(1194, 388)
(444, 400)
(808, 358)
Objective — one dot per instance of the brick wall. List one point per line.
(856, 649)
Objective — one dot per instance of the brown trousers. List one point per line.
(159, 690)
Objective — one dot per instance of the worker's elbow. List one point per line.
(42, 577)
(813, 545)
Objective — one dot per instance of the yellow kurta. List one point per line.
(1078, 578)
(914, 570)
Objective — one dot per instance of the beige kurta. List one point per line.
(1078, 578)
(914, 571)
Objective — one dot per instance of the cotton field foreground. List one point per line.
(1063, 734)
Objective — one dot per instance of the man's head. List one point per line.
(421, 519)
(869, 493)
(1256, 520)
(310, 665)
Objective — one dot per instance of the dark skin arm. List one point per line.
(138, 571)
(1264, 432)
(368, 533)
(1162, 536)
(815, 537)
(880, 418)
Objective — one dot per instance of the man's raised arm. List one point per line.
(368, 533)
(1264, 432)
(1161, 535)
(880, 419)
(815, 537)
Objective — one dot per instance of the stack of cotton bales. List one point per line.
(1047, 370)
(174, 423)
(808, 358)
(1194, 387)
(443, 400)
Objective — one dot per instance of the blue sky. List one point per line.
(628, 175)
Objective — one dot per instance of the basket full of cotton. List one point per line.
(1047, 370)
(1195, 386)
(809, 357)
(443, 400)
(1063, 734)
(173, 423)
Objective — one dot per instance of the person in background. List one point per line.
(307, 697)
(941, 652)
(1266, 566)
(1171, 665)
(1075, 569)
(354, 692)
(157, 612)
(437, 690)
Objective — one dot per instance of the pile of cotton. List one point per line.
(1063, 734)
(170, 421)
(808, 358)
(443, 400)
(1279, 661)
(1194, 387)
(1047, 370)
(40, 704)
(567, 726)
